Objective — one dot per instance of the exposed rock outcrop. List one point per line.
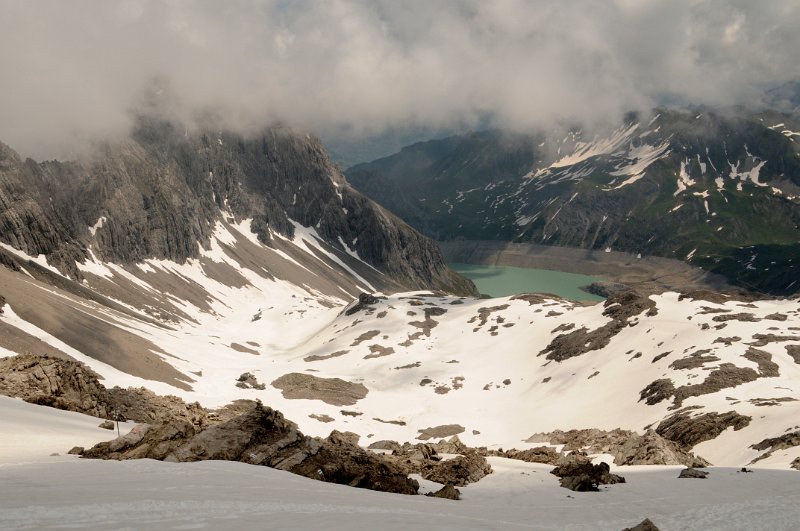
(459, 471)
(688, 431)
(644, 525)
(70, 385)
(249, 381)
(365, 301)
(692, 473)
(541, 454)
(627, 447)
(468, 466)
(621, 308)
(584, 476)
(261, 436)
(772, 444)
(161, 192)
(448, 492)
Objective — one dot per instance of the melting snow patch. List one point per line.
(94, 228)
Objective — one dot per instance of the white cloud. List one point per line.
(77, 70)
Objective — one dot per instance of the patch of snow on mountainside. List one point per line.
(583, 151)
(637, 160)
(684, 180)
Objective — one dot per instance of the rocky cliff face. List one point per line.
(159, 195)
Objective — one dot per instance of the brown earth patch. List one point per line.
(694, 360)
(378, 351)
(765, 339)
(771, 401)
(366, 336)
(395, 422)
(334, 391)
(409, 366)
(782, 442)
(88, 330)
(322, 418)
(241, 348)
(766, 367)
(319, 357)
(794, 352)
(484, 313)
(728, 341)
(743, 316)
(440, 432)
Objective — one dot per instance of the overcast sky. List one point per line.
(76, 70)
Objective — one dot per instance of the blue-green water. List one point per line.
(501, 281)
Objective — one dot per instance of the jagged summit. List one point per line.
(162, 192)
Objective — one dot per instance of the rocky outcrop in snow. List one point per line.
(67, 384)
(583, 476)
(627, 447)
(261, 436)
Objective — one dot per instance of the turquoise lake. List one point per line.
(501, 281)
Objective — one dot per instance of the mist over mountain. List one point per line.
(74, 72)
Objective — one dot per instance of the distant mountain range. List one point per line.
(718, 190)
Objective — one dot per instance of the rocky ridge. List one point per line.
(160, 194)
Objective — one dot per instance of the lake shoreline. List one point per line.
(503, 281)
(651, 274)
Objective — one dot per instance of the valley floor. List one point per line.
(43, 491)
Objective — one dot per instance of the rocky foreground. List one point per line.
(249, 432)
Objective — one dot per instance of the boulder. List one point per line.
(693, 473)
(585, 476)
(448, 492)
(644, 525)
(652, 449)
(459, 471)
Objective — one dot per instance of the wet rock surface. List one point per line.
(261, 436)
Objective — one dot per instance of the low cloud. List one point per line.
(76, 71)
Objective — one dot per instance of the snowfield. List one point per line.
(41, 491)
(494, 372)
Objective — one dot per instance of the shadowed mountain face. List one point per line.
(160, 194)
(719, 191)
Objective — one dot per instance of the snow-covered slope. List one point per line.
(43, 491)
(495, 372)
